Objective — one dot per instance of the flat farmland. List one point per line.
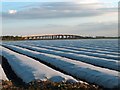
(92, 61)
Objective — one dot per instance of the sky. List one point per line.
(81, 17)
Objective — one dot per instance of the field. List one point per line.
(89, 61)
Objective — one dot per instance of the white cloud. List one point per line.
(12, 11)
(91, 4)
(87, 1)
(60, 10)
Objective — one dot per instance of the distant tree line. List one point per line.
(103, 37)
(11, 38)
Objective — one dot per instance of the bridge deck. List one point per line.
(52, 37)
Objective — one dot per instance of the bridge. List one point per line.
(52, 37)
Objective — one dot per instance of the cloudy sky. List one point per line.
(81, 17)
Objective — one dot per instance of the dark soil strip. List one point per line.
(49, 65)
(11, 74)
